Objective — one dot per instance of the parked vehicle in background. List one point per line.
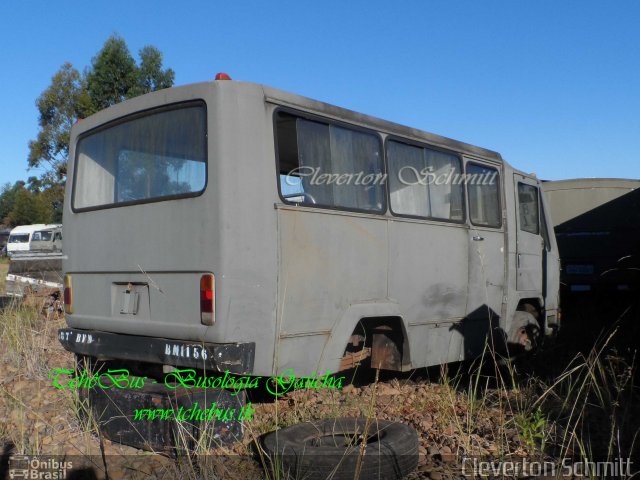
(48, 239)
(228, 226)
(34, 273)
(597, 226)
(36, 260)
(20, 238)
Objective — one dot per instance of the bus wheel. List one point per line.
(525, 331)
(532, 309)
(331, 448)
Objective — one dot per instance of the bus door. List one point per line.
(529, 241)
(486, 280)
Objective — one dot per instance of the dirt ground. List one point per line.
(455, 413)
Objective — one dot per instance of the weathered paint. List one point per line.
(293, 280)
(596, 221)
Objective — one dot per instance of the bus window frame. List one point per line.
(328, 121)
(538, 208)
(482, 164)
(130, 117)
(418, 144)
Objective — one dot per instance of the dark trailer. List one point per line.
(597, 227)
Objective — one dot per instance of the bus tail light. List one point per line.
(207, 299)
(68, 295)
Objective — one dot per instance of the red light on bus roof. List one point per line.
(222, 76)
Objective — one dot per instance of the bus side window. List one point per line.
(422, 182)
(329, 165)
(483, 185)
(528, 208)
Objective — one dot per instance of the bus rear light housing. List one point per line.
(68, 295)
(207, 299)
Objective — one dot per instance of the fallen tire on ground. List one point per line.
(332, 448)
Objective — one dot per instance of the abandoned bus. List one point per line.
(234, 227)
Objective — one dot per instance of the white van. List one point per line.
(20, 238)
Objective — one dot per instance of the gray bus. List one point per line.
(232, 226)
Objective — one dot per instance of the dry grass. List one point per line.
(4, 268)
(589, 409)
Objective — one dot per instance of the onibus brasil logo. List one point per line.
(38, 468)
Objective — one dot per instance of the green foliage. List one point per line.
(150, 75)
(112, 77)
(8, 199)
(58, 107)
(25, 207)
(533, 429)
(36, 202)
(53, 198)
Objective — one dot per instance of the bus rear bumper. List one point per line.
(146, 413)
(236, 358)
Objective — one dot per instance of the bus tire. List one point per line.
(525, 331)
(330, 448)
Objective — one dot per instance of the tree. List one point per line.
(112, 77)
(28, 208)
(59, 107)
(8, 199)
(151, 76)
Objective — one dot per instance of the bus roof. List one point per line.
(28, 228)
(280, 97)
(51, 226)
(325, 109)
(579, 183)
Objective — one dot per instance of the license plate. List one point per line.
(580, 288)
(580, 269)
(129, 303)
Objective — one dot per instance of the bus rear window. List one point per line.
(158, 156)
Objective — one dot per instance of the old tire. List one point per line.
(331, 448)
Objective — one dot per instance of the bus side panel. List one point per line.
(428, 278)
(328, 261)
(245, 183)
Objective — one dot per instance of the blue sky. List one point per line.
(554, 86)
